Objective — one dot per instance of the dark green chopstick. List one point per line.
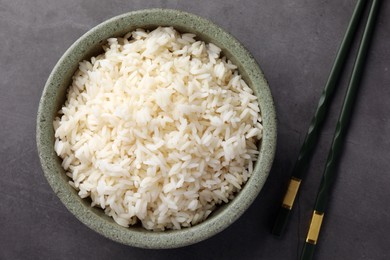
(341, 128)
(311, 138)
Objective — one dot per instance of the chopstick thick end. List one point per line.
(281, 221)
(312, 236)
(287, 205)
(315, 227)
(308, 251)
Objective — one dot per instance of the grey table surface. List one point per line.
(295, 42)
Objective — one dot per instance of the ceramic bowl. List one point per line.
(54, 94)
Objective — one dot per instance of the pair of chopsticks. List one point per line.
(329, 174)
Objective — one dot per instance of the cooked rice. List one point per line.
(158, 129)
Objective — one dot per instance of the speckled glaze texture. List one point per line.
(54, 95)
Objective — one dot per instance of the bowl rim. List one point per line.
(172, 238)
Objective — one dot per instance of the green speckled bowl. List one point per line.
(54, 95)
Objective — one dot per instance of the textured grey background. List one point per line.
(295, 42)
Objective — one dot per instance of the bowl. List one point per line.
(54, 94)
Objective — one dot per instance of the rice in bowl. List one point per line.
(159, 129)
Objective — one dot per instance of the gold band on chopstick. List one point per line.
(291, 193)
(315, 226)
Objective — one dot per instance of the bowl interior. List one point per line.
(54, 95)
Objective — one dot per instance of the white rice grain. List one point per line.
(159, 129)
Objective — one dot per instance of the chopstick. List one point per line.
(300, 167)
(341, 128)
